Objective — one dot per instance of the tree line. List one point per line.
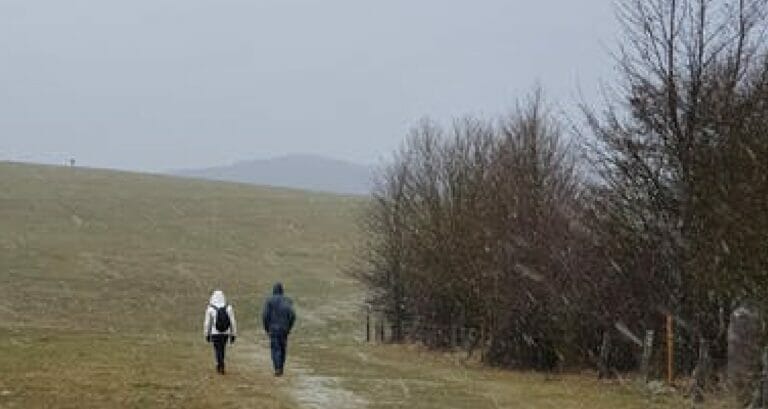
(548, 236)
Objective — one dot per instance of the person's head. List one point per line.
(277, 289)
(218, 298)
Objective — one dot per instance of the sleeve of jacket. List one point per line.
(207, 322)
(265, 314)
(232, 321)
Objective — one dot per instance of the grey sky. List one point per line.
(161, 84)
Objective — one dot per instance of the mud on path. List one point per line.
(311, 386)
(302, 386)
(313, 391)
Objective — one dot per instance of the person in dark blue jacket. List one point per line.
(278, 318)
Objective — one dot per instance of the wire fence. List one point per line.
(377, 329)
(656, 352)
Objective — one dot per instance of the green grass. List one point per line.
(104, 277)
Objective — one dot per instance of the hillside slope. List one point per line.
(102, 272)
(104, 277)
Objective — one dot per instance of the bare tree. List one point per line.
(670, 152)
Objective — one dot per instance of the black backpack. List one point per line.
(222, 319)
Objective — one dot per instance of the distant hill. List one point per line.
(306, 172)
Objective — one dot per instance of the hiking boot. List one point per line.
(278, 372)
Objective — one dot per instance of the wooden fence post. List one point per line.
(670, 350)
(700, 373)
(482, 344)
(368, 326)
(603, 365)
(760, 396)
(764, 381)
(471, 339)
(647, 354)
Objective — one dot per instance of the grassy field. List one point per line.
(104, 277)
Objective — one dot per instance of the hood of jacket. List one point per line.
(218, 299)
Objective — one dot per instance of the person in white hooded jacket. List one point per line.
(219, 326)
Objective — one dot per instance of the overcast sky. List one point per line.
(164, 84)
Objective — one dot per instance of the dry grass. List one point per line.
(77, 370)
(104, 276)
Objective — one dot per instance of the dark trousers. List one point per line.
(278, 343)
(219, 346)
